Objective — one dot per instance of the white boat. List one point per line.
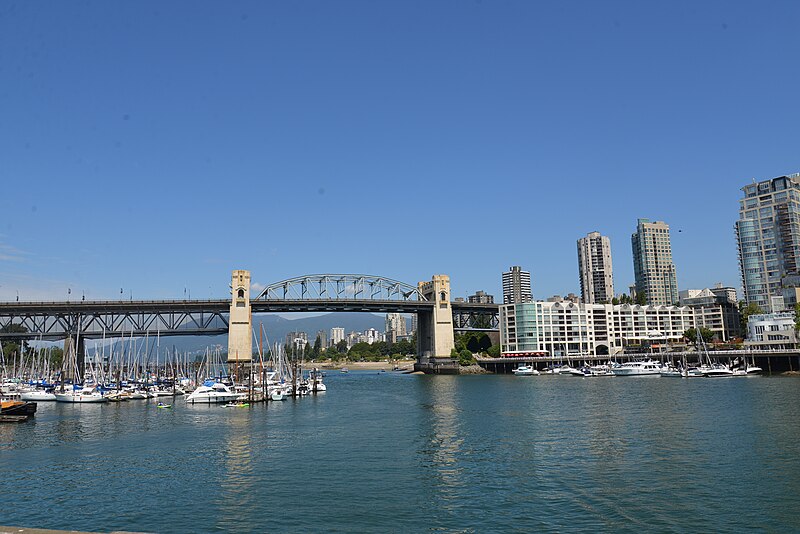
(213, 393)
(83, 395)
(563, 370)
(717, 370)
(645, 368)
(277, 396)
(525, 370)
(38, 395)
(671, 372)
(600, 370)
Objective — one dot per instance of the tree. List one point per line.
(317, 347)
(494, 351)
(691, 334)
(641, 298)
(615, 301)
(14, 346)
(465, 357)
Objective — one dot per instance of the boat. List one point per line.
(344, 370)
(277, 396)
(671, 371)
(162, 405)
(212, 392)
(639, 368)
(38, 395)
(600, 370)
(525, 370)
(717, 370)
(15, 407)
(581, 372)
(86, 394)
(237, 405)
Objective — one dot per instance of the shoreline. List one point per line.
(404, 365)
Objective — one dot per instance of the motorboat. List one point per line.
(525, 370)
(581, 372)
(717, 370)
(600, 370)
(640, 368)
(671, 372)
(86, 394)
(565, 369)
(213, 393)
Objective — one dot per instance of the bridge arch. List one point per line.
(341, 287)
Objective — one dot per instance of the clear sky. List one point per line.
(156, 146)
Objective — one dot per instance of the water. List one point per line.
(393, 453)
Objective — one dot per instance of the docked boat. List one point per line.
(213, 393)
(88, 394)
(525, 370)
(14, 407)
(717, 370)
(38, 395)
(600, 370)
(671, 372)
(641, 368)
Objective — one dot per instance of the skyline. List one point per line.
(401, 140)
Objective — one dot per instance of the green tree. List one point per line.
(465, 357)
(615, 301)
(494, 351)
(691, 334)
(641, 298)
(317, 347)
(17, 346)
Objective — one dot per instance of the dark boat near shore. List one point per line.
(17, 408)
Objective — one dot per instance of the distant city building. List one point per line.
(481, 298)
(594, 269)
(771, 331)
(572, 329)
(768, 236)
(516, 286)
(395, 327)
(652, 263)
(337, 335)
(414, 320)
(297, 340)
(458, 299)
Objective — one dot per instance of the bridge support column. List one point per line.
(240, 325)
(435, 329)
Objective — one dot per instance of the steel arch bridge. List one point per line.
(341, 287)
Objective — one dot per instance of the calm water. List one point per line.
(386, 452)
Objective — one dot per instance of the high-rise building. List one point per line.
(337, 335)
(594, 268)
(652, 263)
(481, 297)
(517, 286)
(395, 326)
(768, 235)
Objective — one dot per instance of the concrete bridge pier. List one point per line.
(435, 329)
(240, 324)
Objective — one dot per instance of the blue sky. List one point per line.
(156, 146)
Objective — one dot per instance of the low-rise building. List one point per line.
(567, 328)
(715, 309)
(771, 331)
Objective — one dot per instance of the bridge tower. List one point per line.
(240, 325)
(435, 328)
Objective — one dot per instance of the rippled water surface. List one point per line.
(401, 453)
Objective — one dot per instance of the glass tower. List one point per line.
(768, 236)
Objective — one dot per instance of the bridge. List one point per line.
(438, 316)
